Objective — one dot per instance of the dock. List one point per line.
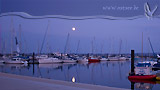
(17, 82)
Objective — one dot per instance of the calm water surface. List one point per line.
(109, 73)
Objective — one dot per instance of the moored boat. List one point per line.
(122, 58)
(69, 61)
(104, 59)
(93, 60)
(143, 68)
(15, 60)
(82, 60)
(142, 77)
(148, 62)
(113, 58)
(49, 60)
(143, 72)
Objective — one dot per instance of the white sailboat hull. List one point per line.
(69, 61)
(104, 59)
(113, 59)
(83, 61)
(49, 61)
(122, 58)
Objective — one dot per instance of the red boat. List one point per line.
(93, 60)
(142, 77)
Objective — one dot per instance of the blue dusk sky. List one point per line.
(97, 34)
(105, 34)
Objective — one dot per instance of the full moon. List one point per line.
(73, 28)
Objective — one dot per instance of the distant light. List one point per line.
(73, 79)
(73, 28)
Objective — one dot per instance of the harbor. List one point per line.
(79, 45)
(104, 73)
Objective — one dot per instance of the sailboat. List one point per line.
(121, 57)
(93, 59)
(82, 60)
(16, 59)
(66, 57)
(112, 57)
(44, 59)
(143, 70)
(1, 60)
(150, 63)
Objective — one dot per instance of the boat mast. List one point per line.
(20, 36)
(0, 29)
(151, 47)
(44, 37)
(12, 30)
(38, 47)
(48, 49)
(4, 47)
(65, 49)
(120, 47)
(78, 46)
(142, 46)
(1, 41)
(92, 46)
(102, 45)
(25, 44)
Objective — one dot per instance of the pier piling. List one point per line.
(33, 62)
(132, 85)
(132, 62)
(33, 57)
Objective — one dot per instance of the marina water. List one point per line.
(105, 73)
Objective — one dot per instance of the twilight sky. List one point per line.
(105, 34)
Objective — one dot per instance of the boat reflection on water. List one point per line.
(142, 85)
(51, 66)
(73, 79)
(17, 65)
(143, 81)
(14, 66)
